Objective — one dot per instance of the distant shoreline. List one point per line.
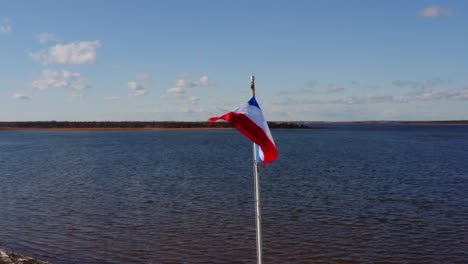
(129, 125)
(391, 123)
(189, 126)
(109, 128)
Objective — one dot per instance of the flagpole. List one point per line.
(257, 189)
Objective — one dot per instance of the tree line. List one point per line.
(134, 124)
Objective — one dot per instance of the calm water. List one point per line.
(344, 195)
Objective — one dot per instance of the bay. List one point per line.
(354, 194)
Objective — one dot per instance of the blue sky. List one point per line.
(189, 60)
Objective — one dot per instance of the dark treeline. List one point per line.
(133, 124)
(177, 124)
(443, 122)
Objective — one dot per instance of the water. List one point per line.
(343, 195)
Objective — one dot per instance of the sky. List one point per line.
(189, 60)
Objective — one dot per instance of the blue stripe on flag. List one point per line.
(253, 102)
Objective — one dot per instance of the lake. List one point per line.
(352, 194)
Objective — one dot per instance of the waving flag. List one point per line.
(249, 120)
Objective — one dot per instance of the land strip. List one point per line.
(127, 125)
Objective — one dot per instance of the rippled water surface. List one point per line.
(344, 195)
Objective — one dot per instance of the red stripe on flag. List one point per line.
(252, 131)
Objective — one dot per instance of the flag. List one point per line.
(248, 119)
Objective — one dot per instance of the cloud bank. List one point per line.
(138, 88)
(378, 98)
(420, 96)
(183, 84)
(139, 85)
(83, 52)
(61, 80)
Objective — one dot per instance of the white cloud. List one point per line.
(61, 80)
(204, 81)
(21, 96)
(442, 95)
(6, 28)
(371, 99)
(138, 89)
(421, 96)
(181, 86)
(176, 91)
(348, 100)
(333, 88)
(185, 83)
(139, 85)
(386, 98)
(194, 100)
(46, 37)
(428, 84)
(136, 86)
(434, 12)
(83, 52)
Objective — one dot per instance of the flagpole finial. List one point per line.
(252, 84)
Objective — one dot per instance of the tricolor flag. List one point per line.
(249, 120)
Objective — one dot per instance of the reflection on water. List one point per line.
(348, 195)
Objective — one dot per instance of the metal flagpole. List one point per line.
(257, 189)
